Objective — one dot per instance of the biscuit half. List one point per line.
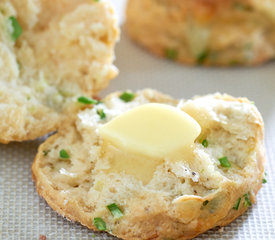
(51, 53)
(183, 198)
(208, 32)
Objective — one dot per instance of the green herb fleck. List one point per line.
(204, 143)
(101, 113)
(64, 154)
(16, 28)
(237, 204)
(241, 6)
(100, 224)
(64, 93)
(264, 181)
(19, 65)
(45, 152)
(115, 210)
(234, 63)
(99, 102)
(96, 0)
(127, 96)
(248, 46)
(265, 174)
(224, 162)
(202, 57)
(247, 202)
(205, 202)
(87, 100)
(171, 53)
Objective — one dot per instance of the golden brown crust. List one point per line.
(71, 211)
(154, 215)
(207, 32)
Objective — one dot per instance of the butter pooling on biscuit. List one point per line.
(182, 198)
(51, 53)
(139, 140)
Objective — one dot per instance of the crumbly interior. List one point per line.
(66, 50)
(187, 191)
(209, 32)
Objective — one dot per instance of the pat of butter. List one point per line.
(152, 130)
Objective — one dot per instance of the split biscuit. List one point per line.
(51, 52)
(184, 198)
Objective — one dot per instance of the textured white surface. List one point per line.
(23, 215)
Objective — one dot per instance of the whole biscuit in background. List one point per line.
(208, 32)
(99, 185)
(51, 53)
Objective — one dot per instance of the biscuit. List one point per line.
(208, 32)
(51, 53)
(182, 199)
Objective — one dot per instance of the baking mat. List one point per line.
(24, 215)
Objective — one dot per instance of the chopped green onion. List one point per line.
(171, 53)
(264, 181)
(115, 210)
(87, 100)
(100, 224)
(205, 202)
(16, 28)
(224, 162)
(247, 202)
(204, 143)
(101, 113)
(237, 204)
(45, 152)
(127, 96)
(64, 154)
(202, 57)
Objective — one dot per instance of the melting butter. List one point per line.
(137, 165)
(139, 140)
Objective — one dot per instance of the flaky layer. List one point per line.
(184, 198)
(209, 32)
